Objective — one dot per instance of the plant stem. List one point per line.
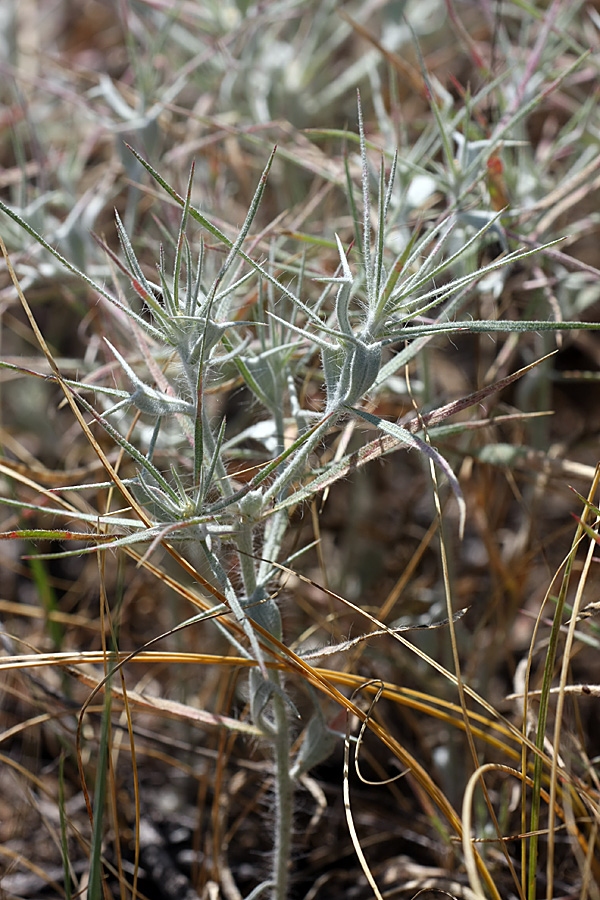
(284, 796)
(297, 465)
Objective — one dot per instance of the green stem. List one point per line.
(284, 796)
(297, 465)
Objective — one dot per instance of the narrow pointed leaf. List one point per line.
(402, 436)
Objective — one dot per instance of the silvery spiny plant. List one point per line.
(194, 332)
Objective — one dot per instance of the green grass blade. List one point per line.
(95, 890)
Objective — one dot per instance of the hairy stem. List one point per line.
(284, 796)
